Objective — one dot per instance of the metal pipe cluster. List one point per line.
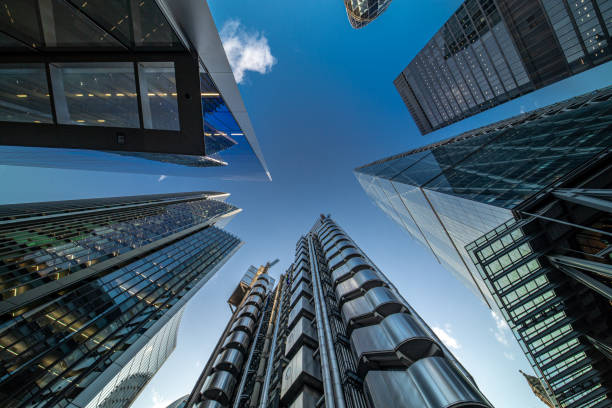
(400, 360)
(237, 346)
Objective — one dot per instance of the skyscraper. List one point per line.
(150, 90)
(93, 290)
(519, 211)
(336, 330)
(491, 51)
(362, 12)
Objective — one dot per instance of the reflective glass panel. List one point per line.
(220, 127)
(24, 96)
(135, 23)
(64, 27)
(7, 43)
(95, 94)
(20, 19)
(158, 90)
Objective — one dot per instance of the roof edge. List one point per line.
(193, 19)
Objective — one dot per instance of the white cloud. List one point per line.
(162, 178)
(446, 337)
(502, 330)
(159, 401)
(246, 51)
(522, 108)
(509, 356)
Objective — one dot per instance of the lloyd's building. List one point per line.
(333, 332)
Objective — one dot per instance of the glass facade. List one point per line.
(448, 194)
(544, 313)
(519, 210)
(35, 253)
(362, 12)
(90, 285)
(134, 89)
(123, 389)
(489, 52)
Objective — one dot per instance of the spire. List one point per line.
(538, 389)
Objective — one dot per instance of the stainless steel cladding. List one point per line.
(251, 311)
(308, 398)
(230, 360)
(303, 276)
(339, 239)
(341, 257)
(347, 270)
(341, 243)
(359, 283)
(210, 404)
(254, 299)
(302, 333)
(301, 308)
(398, 341)
(219, 386)
(303, 369)
(258, 290)
(246, 324)
(371, 308)
(238, 340)
(300, 290)
(432, 382)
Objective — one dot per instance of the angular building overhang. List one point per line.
(148, 81)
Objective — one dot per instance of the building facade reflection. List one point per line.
(490, 52)
(519, 211)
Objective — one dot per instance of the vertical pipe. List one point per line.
(325, 369)
(259, 376)
(266, 387)
(336, 380)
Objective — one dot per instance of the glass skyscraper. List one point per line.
(491, 51)
(362, 12)
(93, 290)
(334, 332)
(519, 211)
(131, 86)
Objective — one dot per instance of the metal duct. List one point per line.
(432, 382)
(219, 386)
(347, 270)
(229, 360)
(398, 341)
(371, 308)
(359, 283)
(238, 340)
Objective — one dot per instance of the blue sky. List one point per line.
(326, 106)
